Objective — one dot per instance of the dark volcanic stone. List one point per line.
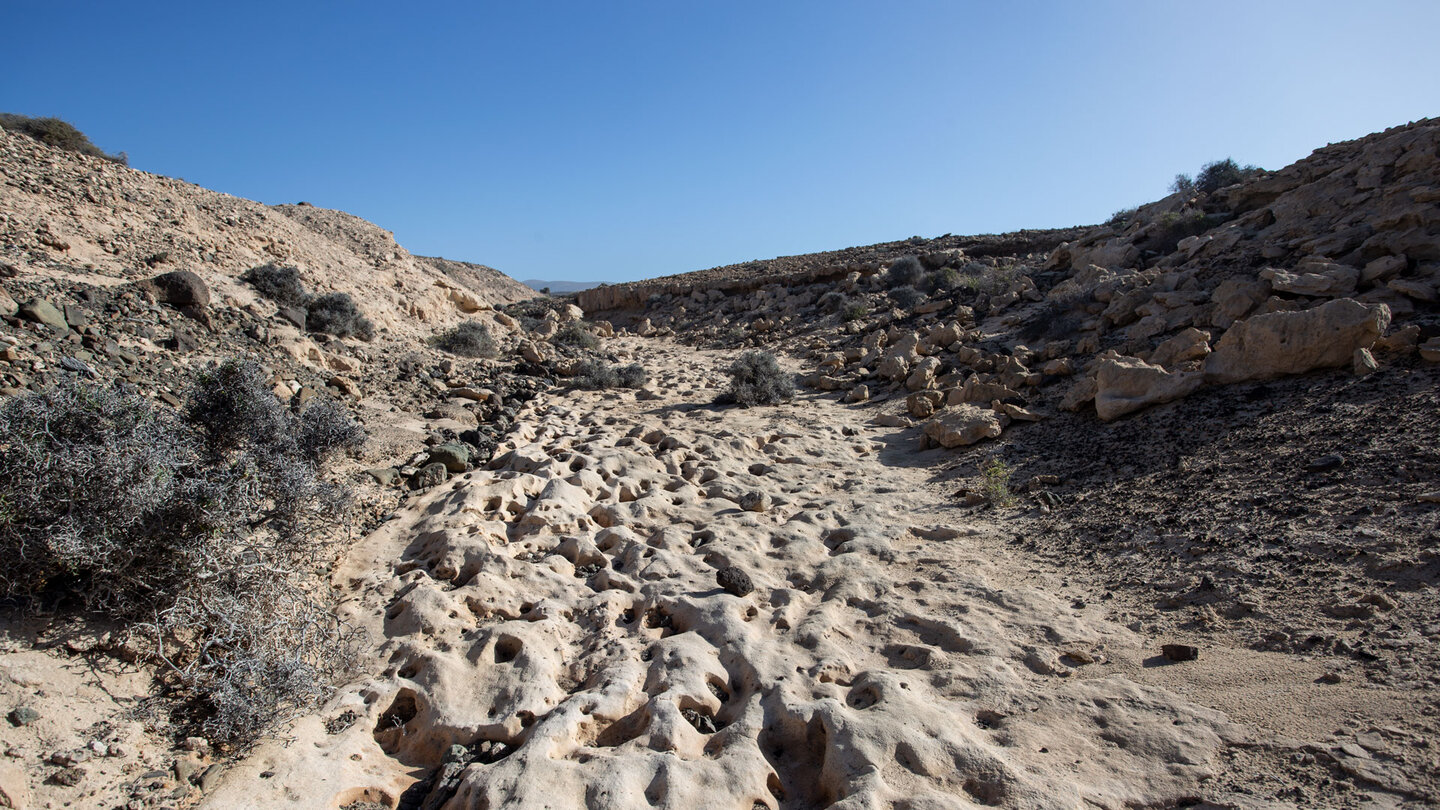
(734, 581)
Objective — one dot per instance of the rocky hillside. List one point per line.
(1138, 515)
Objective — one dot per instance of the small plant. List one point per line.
(995, 483)
(982, 278)
(336, 314)
(907, 297)
(854, 311)
(597, 375)
(576, 335)
(633, 376)
(467, 339)
(278, 283)
(906, 271)
(757, 379)
(59, 134)
(1121, 218)
(942, 281)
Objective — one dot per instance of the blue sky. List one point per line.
(620, 140)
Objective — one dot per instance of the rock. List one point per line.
(1429, 497)
(1430, 350)
(734, 581)
(345, 386)
(1321, 280)
(1326, 462)
(1191, 344)
(1127, 384)
(1363, 362)
(8, 307)
(1180, 652)
(893, 367)
(1383, 269)
(1410, 288)
(1274, 344)
(923, 404)
(963, 425)
(23, 716)
(472, 394)
(754, 502)
(455, 457)
(1080, 392)
(38, 310)
(181, 289)
(384, 476)
(429, 476)
(295, 315)
(860, 393)
(922, 376)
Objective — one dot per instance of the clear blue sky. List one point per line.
(613, 140)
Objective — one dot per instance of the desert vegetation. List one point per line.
(757, 379)
(202, 534)
(58, 133)
(467, 339)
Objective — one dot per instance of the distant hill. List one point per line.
(560, 286)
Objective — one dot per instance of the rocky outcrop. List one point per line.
(1127, 384)
(1278, 343)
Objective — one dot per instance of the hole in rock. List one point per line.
(703, 723)
(986, 791)
(410, 670)
(527, 719)
(987, 719)
(797, 751)
(625, 729)
(390, 728)
(863, 697)
(506, 648)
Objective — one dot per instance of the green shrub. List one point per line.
(995, 483)
(1214, 176)
(467, 339)
(199, 534)
(336, 314)
(633, 376)
(57, 133)
(854, 311)
(280, 284)
(575, 334)
(1221, 173)
(905, 271)
(757, 379)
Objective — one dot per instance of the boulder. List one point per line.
(922, 376)
(893, 367)
(1318, 280)
(1191, 344)
(455, 457)
(41, 311)
(1127, 384)
(8, 307)
(1234, 299)
(924, 404)
(1278, 343)
(963, 425)
(178, 288)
